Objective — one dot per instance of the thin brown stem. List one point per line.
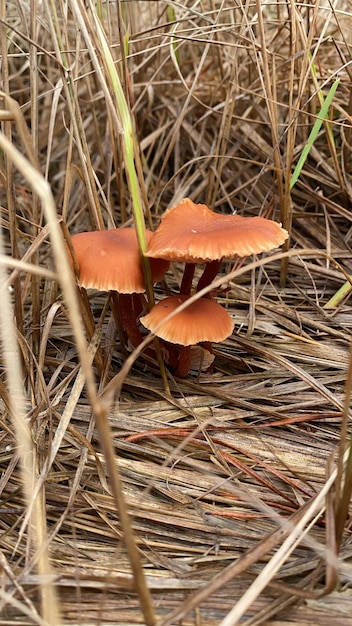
(115, 307)
(126, 310)
(129, 308)
(210, 272)
(170, 352)
(184, 361)
(187, 279)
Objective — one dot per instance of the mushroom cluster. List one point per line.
(189, 233)
(193, 234)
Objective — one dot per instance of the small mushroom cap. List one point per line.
(110, 260)
(192, 233)
(202, 320)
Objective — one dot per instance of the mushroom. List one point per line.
(109, 260)
(204, 320)
(192, 233)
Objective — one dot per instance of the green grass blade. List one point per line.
(128, 140)
(339, 296)
(322, 115)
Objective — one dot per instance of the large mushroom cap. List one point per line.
(192, 233)
(202, 320)
(110, 260)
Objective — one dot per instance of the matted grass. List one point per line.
(234, 480)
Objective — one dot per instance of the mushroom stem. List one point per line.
(170, 353)
(210, 271)
(115, 307)
(187, 279)
(184, 361)
(178, 358)
(127, 308)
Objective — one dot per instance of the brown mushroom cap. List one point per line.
(110, 260)
(202, 320)
(192, 233)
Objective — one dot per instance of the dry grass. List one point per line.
(235, 481)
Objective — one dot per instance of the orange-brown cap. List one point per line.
(202, 320)
(192, 233)
(110, 260)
